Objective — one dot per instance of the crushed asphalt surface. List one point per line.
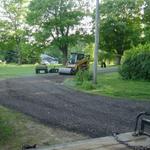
(48, 100)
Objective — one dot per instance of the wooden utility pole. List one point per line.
(96, 43)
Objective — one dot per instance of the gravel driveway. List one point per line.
(46, 99)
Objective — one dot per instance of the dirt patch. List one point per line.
(26, 130)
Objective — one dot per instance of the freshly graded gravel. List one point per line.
(48, 100)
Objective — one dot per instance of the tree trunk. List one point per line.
(19, 54)
(65, 56)
(18, 48)
(64, 50)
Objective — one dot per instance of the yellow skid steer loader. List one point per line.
(76, 62)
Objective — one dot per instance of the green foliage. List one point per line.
(136, 63)
(54, 51)
(120, 25)
(13, 26)
(83, 78)
(87, 85)
(89, 50)
(56, 19)
(83, 75)
(105, 56)
(146, 21)
(9, 56)
(30, 54)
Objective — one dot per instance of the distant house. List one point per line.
(46, 59)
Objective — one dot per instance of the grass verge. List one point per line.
(13, 70)
(17, 129)
(113, 85)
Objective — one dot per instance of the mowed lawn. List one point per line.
(8, 71)
(112, 84)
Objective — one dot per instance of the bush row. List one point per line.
(136, 63)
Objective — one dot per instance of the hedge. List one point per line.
(136, 63)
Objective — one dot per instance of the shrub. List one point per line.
(136, 63)
(83, 78)
(83, 75)
(87, 85)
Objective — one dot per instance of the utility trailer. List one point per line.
(42, 68)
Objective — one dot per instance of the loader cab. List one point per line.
(75, 57)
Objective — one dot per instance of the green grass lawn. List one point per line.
(13, 70)
(8, 71)
(113, 85)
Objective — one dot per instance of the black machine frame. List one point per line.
(142, 120)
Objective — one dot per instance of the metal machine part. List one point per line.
(53, 70)
(142, 121)
(25, 147)
(128, 145)
(65, 71)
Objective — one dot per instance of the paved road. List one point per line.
(107, 69)
(46, 99)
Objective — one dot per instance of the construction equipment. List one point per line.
(76, 62)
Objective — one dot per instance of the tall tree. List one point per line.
(120, 25)
(58, 22)
(7, 43)
(14, 12)
(146, 20)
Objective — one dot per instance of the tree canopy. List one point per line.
(14, 13)
(58, 21)
(120, 25)
(31, 27)
(146, 20)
